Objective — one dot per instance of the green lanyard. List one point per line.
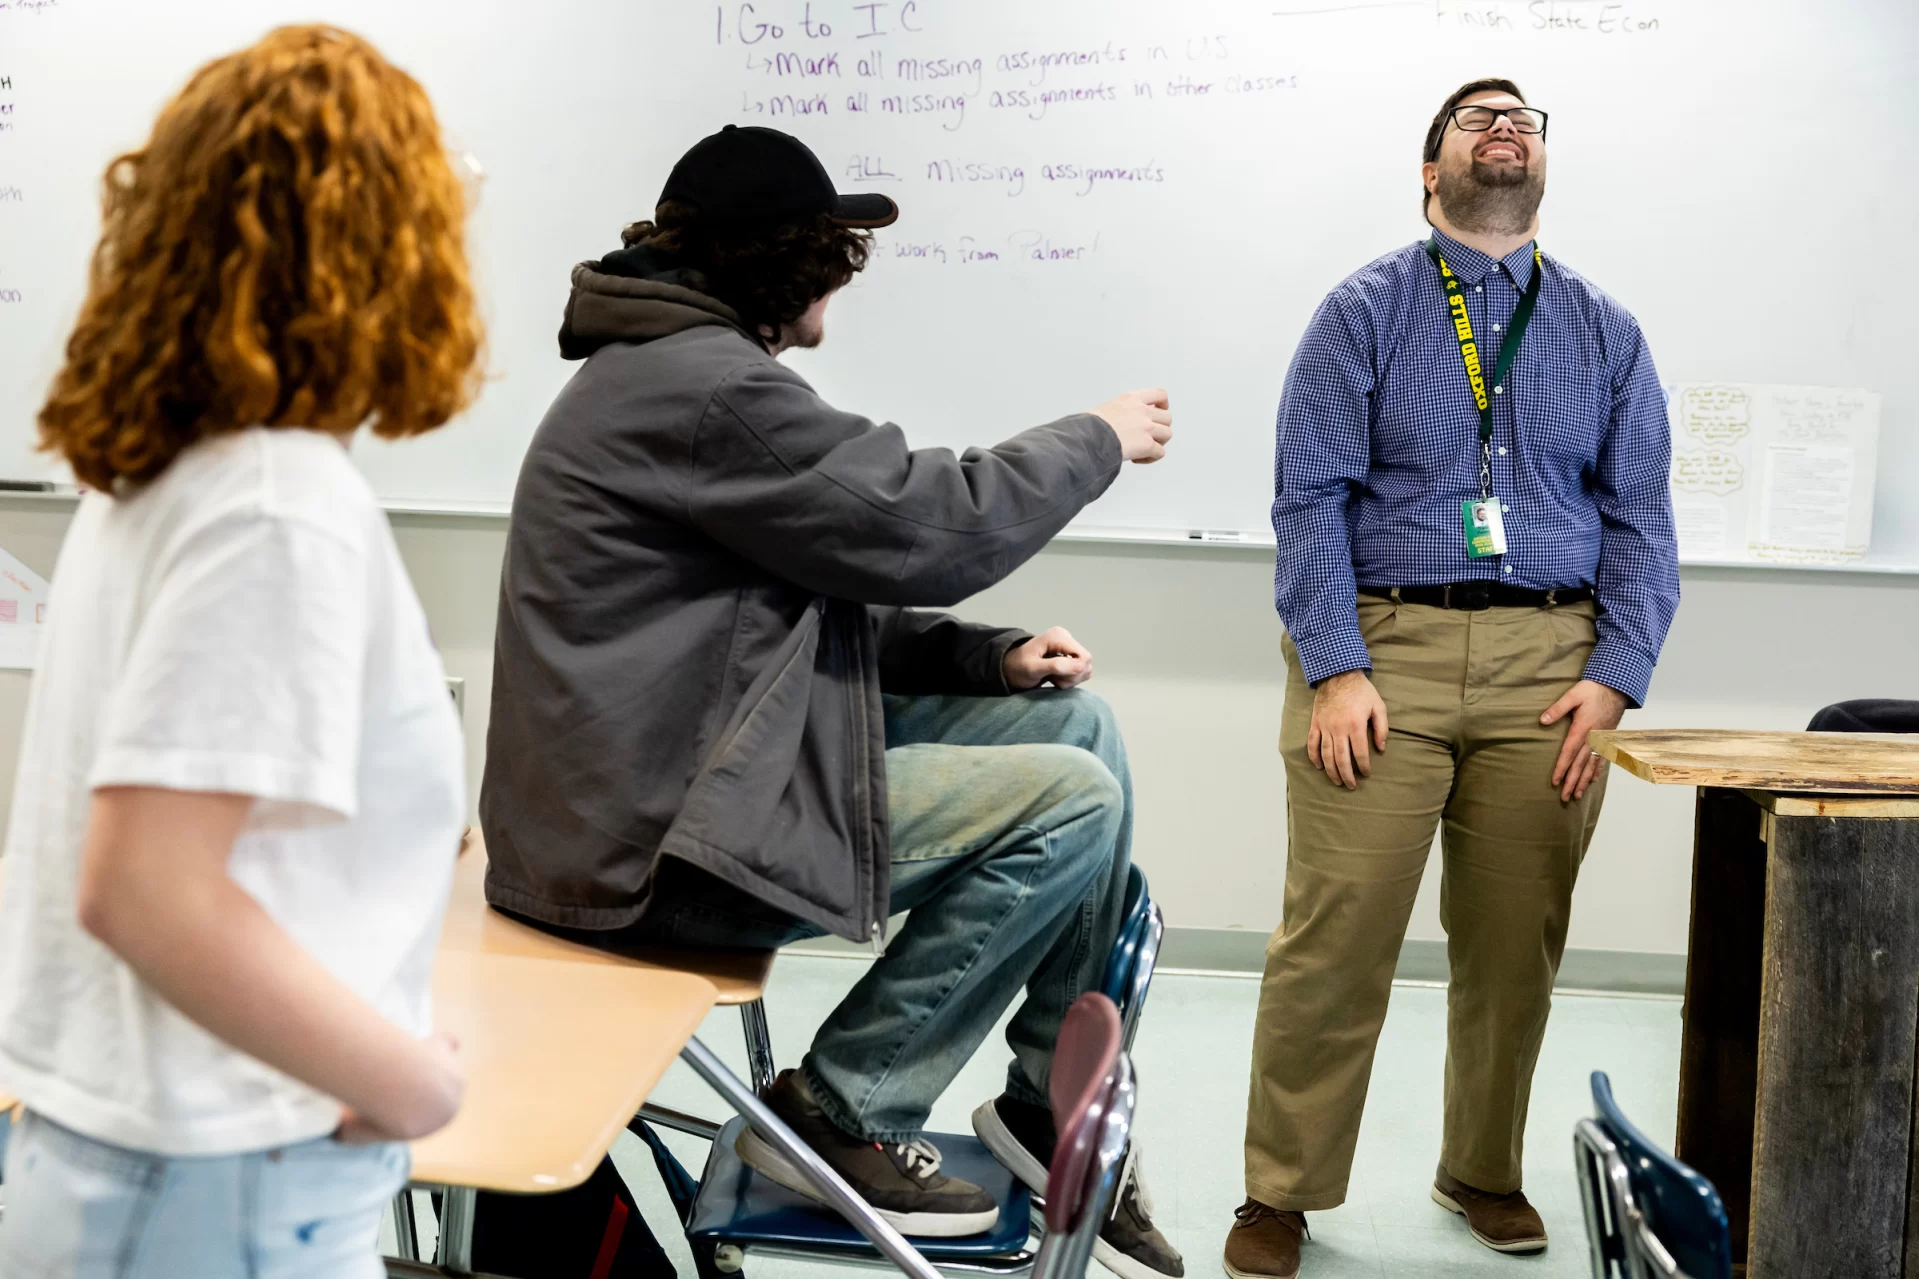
(1469, 350)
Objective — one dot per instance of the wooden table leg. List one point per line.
(1839, 1012)
(1719, 1052)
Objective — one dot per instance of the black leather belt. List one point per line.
(1475, 596)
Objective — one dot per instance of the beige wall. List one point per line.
(1187, 650)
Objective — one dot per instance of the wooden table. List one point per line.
(1802, 991)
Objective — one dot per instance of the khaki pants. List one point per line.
(1464, 692)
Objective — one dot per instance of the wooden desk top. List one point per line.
(739, 976)
(1819, 763)
(559, 1056)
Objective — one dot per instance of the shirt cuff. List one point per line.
(994, 682)
(1622, 669)
(1325, 656)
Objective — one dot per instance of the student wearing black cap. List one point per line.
(719, 718)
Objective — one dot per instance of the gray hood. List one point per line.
(607, 308)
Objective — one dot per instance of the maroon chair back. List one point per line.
(1083, 1065)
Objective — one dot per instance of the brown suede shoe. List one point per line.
(1504, 1223)
(1264, 1242)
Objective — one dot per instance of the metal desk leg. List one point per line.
(857, 1211)
(759, 1046)
(679, 1121)
(456, 1229)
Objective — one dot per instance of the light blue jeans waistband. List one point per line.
(87, 1209)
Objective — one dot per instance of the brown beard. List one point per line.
(1492, 200)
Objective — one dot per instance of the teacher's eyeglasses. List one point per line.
(1480, 119)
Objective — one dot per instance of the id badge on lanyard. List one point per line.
(1485, 527)
(1482, 518)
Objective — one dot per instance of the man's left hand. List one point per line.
(1592, 705)
(1054, 658)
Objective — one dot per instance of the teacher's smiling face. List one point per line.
(1490, 170)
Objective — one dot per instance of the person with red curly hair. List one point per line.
(241, 789)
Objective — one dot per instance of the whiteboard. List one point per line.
(1096, 194)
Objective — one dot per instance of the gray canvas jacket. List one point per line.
(710, 578)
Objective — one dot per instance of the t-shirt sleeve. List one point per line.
(245, 673)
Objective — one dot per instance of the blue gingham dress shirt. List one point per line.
(1379, 444)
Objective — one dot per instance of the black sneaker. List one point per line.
(902, 1182)
(1021, 1137)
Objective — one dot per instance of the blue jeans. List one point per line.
(82, 1209)
(1012, 826)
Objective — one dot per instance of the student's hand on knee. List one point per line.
(1143, 421)
(1592, 706)
(1349, 723)
(1054, 657)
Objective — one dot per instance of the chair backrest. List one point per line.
(1093, 1097)
(1144, 961)
(1082, 1075)
(1132, 922)
(1129, 970)
(1647, 1214)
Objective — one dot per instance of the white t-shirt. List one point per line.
(242, 624)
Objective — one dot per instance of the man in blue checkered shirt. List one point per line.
(1476, 569)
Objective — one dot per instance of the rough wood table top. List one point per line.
(1819, 763)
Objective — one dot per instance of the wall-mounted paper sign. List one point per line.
(23, 614)
(1779, 474)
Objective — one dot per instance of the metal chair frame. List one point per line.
(1065, 1254)
(1621, 1242)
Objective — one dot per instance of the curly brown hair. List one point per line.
(770, 275)
(287, 249)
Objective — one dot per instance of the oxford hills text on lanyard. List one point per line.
(1483, 520)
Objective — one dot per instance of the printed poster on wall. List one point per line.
(1773, 474)
(23, 614)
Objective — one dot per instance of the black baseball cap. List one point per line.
(755, 176)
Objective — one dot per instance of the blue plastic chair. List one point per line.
(737, 1211)
(1129, 971)
(1648, 1216)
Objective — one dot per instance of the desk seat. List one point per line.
(739, 976)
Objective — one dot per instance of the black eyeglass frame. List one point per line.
(1453, 118)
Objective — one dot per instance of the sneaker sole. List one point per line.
(1015, 1158)
(1237, 1273)
(1124, 1266)
(1018, 1160)
(1446, 1201)
(1003, 1146)
(764, 1159)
